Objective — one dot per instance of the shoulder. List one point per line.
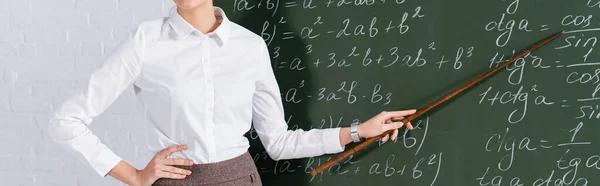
(149, 30)
(253, 43)
(242, 34)
(139, 38)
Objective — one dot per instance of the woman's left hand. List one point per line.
(382, 122)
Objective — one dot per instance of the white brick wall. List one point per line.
(46, 48)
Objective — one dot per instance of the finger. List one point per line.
(409, 126)
(177, 161)
(401, 113)
(164, 174)
(393, 125)
(385, 138)
(170, 150)
(394, 135)
(397, 118)
(176, 170)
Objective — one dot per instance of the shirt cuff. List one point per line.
(106, 161)
(331, 141)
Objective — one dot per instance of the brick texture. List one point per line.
(47, 49)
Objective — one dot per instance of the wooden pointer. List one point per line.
(419, 112)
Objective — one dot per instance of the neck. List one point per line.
(201, 17)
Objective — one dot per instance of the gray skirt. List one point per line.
(239, 171)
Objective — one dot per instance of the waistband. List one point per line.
(213, 173)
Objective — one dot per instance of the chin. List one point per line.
(191, 4)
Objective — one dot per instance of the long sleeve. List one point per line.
(69, 125)
(269, 122)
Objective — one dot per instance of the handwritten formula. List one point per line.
(341, 61)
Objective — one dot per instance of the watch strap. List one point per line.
(354, 132)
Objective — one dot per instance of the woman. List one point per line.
(200, 81)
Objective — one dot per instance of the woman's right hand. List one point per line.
(160, 166)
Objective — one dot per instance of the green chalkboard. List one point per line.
(342, 61)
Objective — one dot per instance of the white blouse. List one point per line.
(203, 90)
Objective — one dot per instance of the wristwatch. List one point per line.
(354, 132)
